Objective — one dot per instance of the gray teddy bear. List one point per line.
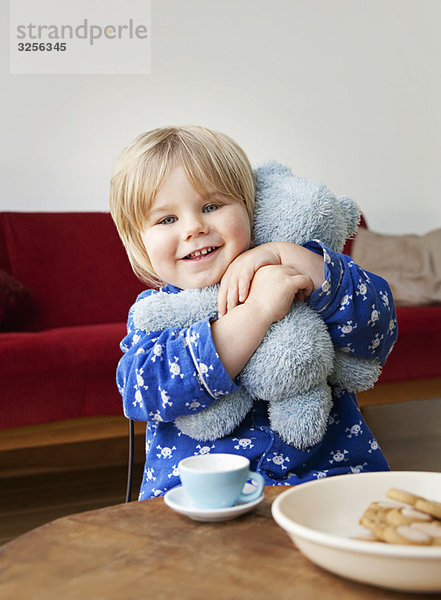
(296, 362)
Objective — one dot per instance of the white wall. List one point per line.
(344, 91)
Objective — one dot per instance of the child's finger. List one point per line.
(244, 288)
(245, 283)
(232, 297)
(305, 286)
(222, 299)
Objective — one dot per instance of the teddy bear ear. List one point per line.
(269, 169)
(352, 214)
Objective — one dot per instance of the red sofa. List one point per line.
(65, 289)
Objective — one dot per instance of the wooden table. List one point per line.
(144, 550)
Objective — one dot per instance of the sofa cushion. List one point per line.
(75, 266)
(59, 374)
(409, 263)
(12, 294)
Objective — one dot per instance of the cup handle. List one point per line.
(257, 478)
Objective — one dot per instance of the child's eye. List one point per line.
(211, 207)
(167, 220)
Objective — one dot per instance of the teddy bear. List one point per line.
(296, 363)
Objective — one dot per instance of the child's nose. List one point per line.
(195, 226)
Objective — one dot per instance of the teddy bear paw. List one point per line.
(218, 420)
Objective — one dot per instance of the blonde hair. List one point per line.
(212, 162)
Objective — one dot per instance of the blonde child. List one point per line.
(182, 199)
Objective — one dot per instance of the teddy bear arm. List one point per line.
(163, 310)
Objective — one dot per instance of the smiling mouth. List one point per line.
(200, 254)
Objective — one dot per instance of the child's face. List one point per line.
(191, 240)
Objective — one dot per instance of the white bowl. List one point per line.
(321, 517)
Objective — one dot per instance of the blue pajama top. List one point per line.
(159, 374)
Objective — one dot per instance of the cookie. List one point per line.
(386, 504)
(374, 518)
(429, 506)
(405, 534)
(367, 537)
(433, 529)
(406, 516)
(403, 496)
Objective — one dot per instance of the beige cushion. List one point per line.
(411, 264)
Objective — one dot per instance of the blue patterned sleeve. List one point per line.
(170, 373)
(356, 305)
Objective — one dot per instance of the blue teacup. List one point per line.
(217, 480)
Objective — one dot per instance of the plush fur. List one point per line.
(296, 361)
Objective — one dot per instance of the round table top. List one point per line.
(145, 550)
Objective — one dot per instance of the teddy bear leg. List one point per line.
(217, 421)
(353, 373)
(301, 420)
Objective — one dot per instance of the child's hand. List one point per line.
(236, 281)
(274, 288)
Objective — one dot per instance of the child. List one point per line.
(182, 199)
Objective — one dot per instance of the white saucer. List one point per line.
(178, 500)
